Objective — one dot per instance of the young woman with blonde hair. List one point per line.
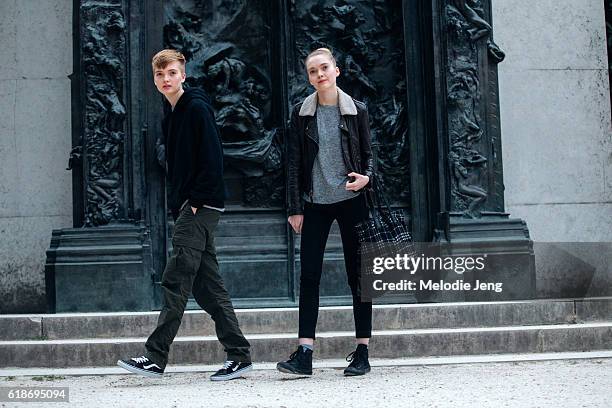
(329, 165)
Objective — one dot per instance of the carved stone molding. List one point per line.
(227, 45)
(468, 43)
(103, 67)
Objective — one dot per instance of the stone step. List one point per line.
(336, 318)
(274, 347)
(318, 363)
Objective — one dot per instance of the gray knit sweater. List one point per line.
(329, 173)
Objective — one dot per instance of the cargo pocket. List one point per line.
(187, 232)
(183, 227)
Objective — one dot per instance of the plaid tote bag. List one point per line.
(385, 234)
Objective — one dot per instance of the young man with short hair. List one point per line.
(194, 163)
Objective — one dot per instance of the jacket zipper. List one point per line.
(342, 126)
(310, 193)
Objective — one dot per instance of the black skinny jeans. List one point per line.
(318, 219)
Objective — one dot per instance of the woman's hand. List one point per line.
(360, 182)
(296, 222)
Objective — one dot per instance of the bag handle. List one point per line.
(375, 199)
(372, 205)
(379, 196)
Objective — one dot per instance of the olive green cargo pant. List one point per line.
(193, 268)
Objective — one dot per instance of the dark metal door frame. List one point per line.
(421, 104)
(155, 178)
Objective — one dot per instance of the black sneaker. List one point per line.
(300, 362)
(141, 365)
(359, 361)
(231, 369)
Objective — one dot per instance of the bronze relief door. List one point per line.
(248, 56)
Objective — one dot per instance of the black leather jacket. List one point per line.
(303, 147)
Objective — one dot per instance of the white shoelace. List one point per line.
(227, 364)
(142, 359)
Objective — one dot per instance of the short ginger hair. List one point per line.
(165, 57)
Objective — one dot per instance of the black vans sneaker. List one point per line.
(359, 361)
(300, 362)
(141, 365)
(230, 370)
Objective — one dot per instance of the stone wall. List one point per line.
(35, 141)
(557, 140)
(555, 112)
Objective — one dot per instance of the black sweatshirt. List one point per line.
(193, 152)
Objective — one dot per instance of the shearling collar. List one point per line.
(345, 102)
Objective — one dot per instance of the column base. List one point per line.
(506, 250)
(101, 269)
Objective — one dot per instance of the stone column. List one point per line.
(103, 263)
(472, 217)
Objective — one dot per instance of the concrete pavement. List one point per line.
(564, 383)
